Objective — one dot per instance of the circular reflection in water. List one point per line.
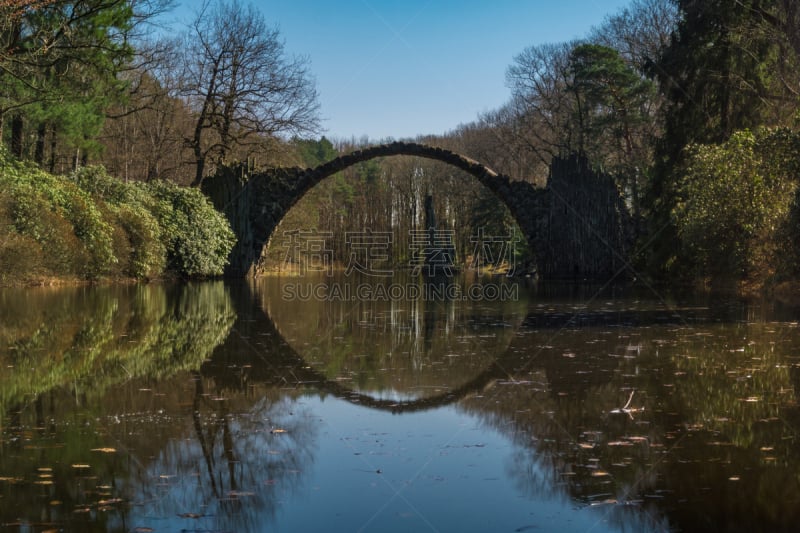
(405, 341)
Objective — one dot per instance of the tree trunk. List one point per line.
(17, 126)
(198, 177)
(53, 146)
(41, 133)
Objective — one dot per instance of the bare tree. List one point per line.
(640, 32)
(542, 109)
(241, 86)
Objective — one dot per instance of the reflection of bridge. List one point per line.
(268, 358)
(578, 226)
(257, 348)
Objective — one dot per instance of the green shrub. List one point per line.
(168, 226)
(61, 217)
(96, 181)
(21, 257)
(120, 242)
(145, 255)
(92, 225)
(199, 238)
(34, 216)
(733, 199)
(94, 232)
(148, 254)
(790, 234)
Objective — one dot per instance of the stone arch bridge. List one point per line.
(577, 226)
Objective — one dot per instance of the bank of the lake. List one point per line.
(90, 227)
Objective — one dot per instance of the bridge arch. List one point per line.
(499, 184)
(576, 226)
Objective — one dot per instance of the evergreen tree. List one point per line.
(717, 73)
(59, 66)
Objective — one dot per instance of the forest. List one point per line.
(109, 127)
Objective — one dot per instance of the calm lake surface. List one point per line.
(255, 407)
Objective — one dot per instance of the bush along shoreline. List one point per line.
(89, 226)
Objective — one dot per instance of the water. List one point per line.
(225, 407)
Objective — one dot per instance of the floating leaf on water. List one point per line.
(277, 430)
(604, 502)
(104, 450)
(240, 494)
(733, 478)
(600, 473)
(80, 466)
(44, 469)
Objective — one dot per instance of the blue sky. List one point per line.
(402, 68)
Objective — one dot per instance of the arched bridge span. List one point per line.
(577, 226)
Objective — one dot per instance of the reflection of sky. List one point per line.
(235, 478)
(439, 471)
(357, 469)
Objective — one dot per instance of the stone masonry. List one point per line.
(578, 226)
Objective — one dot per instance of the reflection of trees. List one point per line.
(562, 386)
(62, 351)
(179, 440)
(257, 353)
(714, 395)
(91, 339)
(713, 440)
(245, 457)
(399, 349)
